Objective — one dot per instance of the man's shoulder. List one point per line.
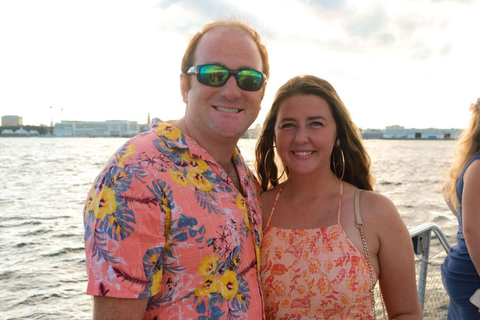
(147, 141)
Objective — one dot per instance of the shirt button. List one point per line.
(224, 175)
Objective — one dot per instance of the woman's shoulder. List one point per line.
(377, 206)
(472, 173)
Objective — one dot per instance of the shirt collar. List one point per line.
(176, 139)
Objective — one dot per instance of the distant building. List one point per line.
(109, 128)
(11, 121)
(372, 133)
(21, 132)
(400, 132)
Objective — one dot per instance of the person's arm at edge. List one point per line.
(471, 212)
(106, 308)
(397, 264)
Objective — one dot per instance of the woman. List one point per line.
(461, 269)
(313, 262)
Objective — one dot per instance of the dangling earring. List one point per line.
(265, 166)
(334, 163)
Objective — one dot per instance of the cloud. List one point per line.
(189, 16)
(465, 2)
(329, 4)
(415, 31)
(369, 24)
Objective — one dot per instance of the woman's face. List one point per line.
(305, 134)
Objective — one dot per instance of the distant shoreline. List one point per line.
(126, 137)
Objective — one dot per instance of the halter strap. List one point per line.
(274, 205)
(340, 200)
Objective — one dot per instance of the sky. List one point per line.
(413, 63)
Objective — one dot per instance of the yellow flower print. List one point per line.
(228, 285)
(198, 180)
(103, 204)
(169, 131)
(241, 202)
(242, 205)
(207, 287)
(240, 297)
(168, 219)
(129, 151)
(197, 164)
(236, 261)
(178, 177)
(208, 265)
(156, 283)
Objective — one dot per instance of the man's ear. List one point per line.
(184, 86)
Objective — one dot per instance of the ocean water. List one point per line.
(44, 183)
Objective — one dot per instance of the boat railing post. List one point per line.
(422, 280)
(421, 239)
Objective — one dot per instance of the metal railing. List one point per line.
(431, 246)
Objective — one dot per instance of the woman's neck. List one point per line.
(305, 186)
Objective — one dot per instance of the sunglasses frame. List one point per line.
(196, 70)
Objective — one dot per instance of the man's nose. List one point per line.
(230, 89)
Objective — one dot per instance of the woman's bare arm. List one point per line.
(471, 212)
(397, 264)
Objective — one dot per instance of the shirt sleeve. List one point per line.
(124, 218)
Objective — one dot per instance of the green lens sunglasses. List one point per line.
(216, 76)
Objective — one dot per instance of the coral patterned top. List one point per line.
(314, 273)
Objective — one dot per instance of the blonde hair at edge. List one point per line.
(357, 161)
(467, 146)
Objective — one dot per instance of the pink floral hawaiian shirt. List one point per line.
(164, 221)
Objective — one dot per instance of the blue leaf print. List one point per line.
(119, 224)
(217, 312)
(201, 307)
(205, 201)
(181, 237)
(98, 249)
(153, 261)
(183, 221)
(193, 221)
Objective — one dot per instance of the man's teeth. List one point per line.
(227, 110)
(303, 153)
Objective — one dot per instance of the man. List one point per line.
(173, 222)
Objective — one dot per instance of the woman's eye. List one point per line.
(287, 125)
(317, 124)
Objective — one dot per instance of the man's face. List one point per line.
(226, 112)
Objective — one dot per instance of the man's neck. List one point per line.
(220, 149)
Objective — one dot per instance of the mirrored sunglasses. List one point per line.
(216, 76)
